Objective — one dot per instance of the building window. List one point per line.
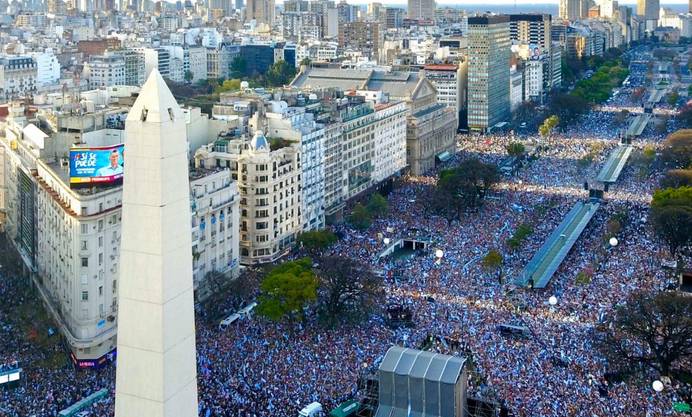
(85, 295)
(85, 262)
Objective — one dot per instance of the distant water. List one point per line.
(523, 7)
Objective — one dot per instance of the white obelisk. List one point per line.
(156, 365)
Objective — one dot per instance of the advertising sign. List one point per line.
(534, 52)
(96, 165)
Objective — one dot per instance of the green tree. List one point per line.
(677, 149)
(280, 74)
(671, 212)
(229, 85)
(673, 98)
(685, 116)
(317, 240)
(305, 61)
(568, 107)
(239, 67)
(515, 149)
(287, 289)
(622, 115)
(360, 217)
(523, 231)
(548, 125)
(463, 187)
(492, 262)
(188, 76)
(377, 206)
(677, 178)
(349, 289)
(653, 330)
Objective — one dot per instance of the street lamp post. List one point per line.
(657, 386)
(439, 254)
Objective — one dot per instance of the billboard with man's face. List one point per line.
(96, 165)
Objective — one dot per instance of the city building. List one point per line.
(294, 124)
(450, 81)
(270, 197)
(488, 79)
(47, 68)
(261, 11)
(135, 69)
(649, 10)
(365, 37)
(105, 70)
(68, 235)
(421, 9)
(531, 29)
(394, 17)
(215, 206)
(18, 76)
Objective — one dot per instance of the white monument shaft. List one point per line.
(156, 362)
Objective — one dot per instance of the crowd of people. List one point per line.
(261, 368)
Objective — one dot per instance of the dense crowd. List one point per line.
(259, 368)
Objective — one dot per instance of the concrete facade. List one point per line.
(156, 373)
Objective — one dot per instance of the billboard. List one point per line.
(96, 165)
(534, 52)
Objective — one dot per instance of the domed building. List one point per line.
(269, 183)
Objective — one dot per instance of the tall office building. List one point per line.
(421, 9)
(531, 29)
(648, 9)
(156, 374)
(488, 79)
(262, 11)
(574, 9)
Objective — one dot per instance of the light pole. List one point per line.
(438, 254)
(553, 302)
(657, 386)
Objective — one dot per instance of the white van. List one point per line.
(311, 410)
(245, 311)
(228, 321)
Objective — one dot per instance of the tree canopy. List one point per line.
(515, 149)
(463, 187)
(287, 289)
(548, 125)
(677, 149)
(653, 330)
(677, 178)
(349, 289)
(360, 217)
(492, 260)
(317, 240)
(280, 74)
(377, 205)
(671, 212)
